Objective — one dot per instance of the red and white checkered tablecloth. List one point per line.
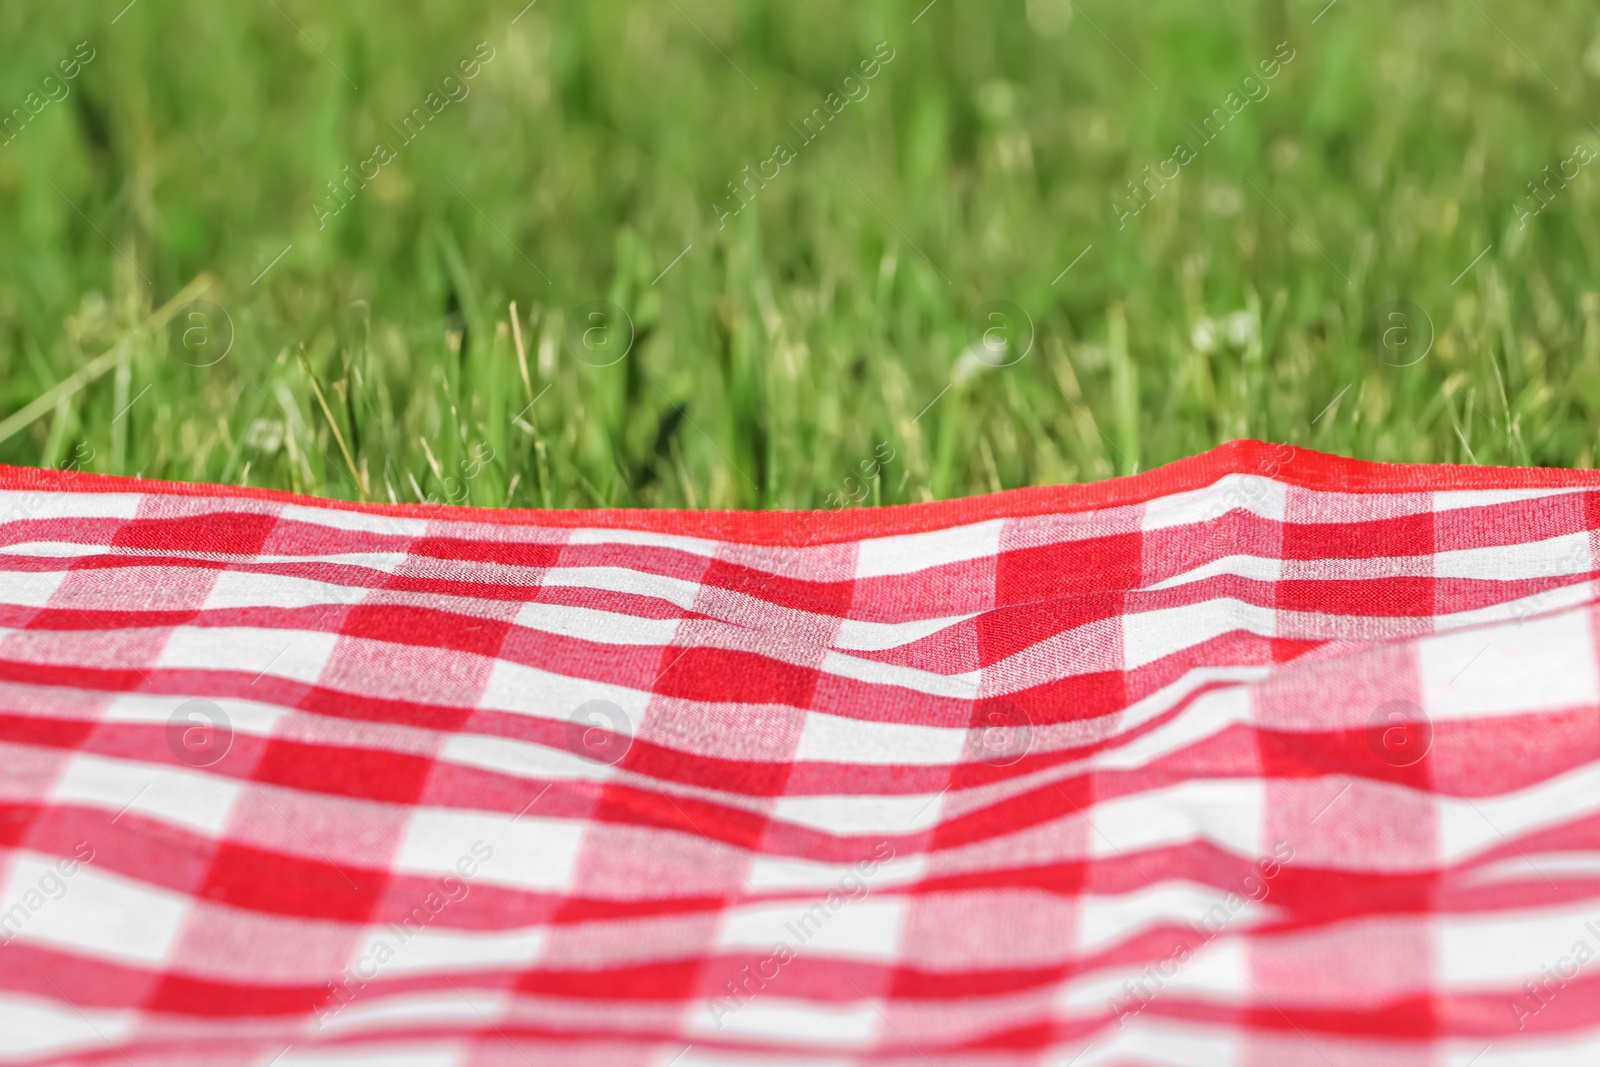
(1262, 758)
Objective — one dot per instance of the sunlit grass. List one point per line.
(829, 319)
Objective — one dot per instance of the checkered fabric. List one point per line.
(1262, 758)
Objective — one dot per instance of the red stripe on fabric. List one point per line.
(1313, 470)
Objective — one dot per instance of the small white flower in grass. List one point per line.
(264, 436)
(1224, 200)
(1049, 17)
(1241, 326)
(970, 364)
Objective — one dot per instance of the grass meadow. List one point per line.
(790, 255)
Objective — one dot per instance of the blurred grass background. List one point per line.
(831, 321)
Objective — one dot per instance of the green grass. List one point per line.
(807, 334)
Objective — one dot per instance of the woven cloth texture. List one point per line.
(1261, 758)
